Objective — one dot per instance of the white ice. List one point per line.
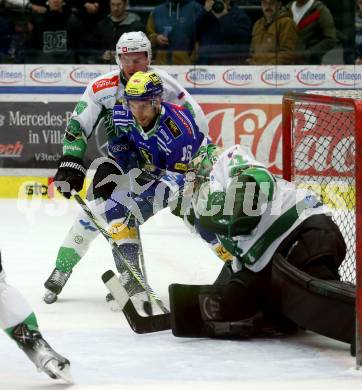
(105, 354)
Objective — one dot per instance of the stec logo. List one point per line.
(36, 189)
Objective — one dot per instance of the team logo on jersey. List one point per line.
(146, 155)
(174, 129)
(181, 167)
(105, 83)
(73, 129)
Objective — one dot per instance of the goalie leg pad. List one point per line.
(211, 311)
(326, 307)
(230, 302)
(186, 320)
(316, 247)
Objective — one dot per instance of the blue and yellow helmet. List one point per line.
(143, 86)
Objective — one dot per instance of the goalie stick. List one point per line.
(138, 323)
(134, 272)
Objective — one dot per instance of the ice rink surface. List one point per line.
(106, 355)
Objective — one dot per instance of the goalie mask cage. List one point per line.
(322, 150)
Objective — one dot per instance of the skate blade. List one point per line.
(62, 373)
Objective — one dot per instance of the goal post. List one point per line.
(322, 149)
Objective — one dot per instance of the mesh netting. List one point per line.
(323, 150)
(340, 93)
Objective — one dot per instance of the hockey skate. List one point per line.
(55, 284)
(42, 354)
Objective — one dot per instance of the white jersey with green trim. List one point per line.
(289, 207)
(103, 92)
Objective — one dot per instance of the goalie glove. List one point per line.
(70, 175)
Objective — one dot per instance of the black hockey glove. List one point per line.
(70, 175)
(106, 173)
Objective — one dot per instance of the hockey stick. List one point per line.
(147, 305)
(138, 323)
(137, 276)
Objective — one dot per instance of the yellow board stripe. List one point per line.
(27, 187)
(336, 195)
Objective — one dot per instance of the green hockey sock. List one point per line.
(66, 260)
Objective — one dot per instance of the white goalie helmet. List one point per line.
(133, 42)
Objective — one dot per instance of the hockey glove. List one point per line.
(107, 172)
(70, 175)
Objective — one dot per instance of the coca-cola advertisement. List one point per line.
(323, 140)
(31, 135)
(257, 126)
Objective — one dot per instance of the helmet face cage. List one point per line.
(146, 86)
(133, 42)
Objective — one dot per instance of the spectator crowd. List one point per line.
(182, 32)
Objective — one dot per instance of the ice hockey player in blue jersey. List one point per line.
(133, 53)
(152, 144)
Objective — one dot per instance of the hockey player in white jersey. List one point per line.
(18, 320)
(255, 216)
(133, 53)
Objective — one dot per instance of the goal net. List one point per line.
(322, 150)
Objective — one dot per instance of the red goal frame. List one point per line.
(289, 101)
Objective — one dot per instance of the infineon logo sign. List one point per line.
(308, 76)
(346, 77)
(8, 76)
(82, 75)
(46, 75)
(200, 77)
(274, 77)
(235, 77)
